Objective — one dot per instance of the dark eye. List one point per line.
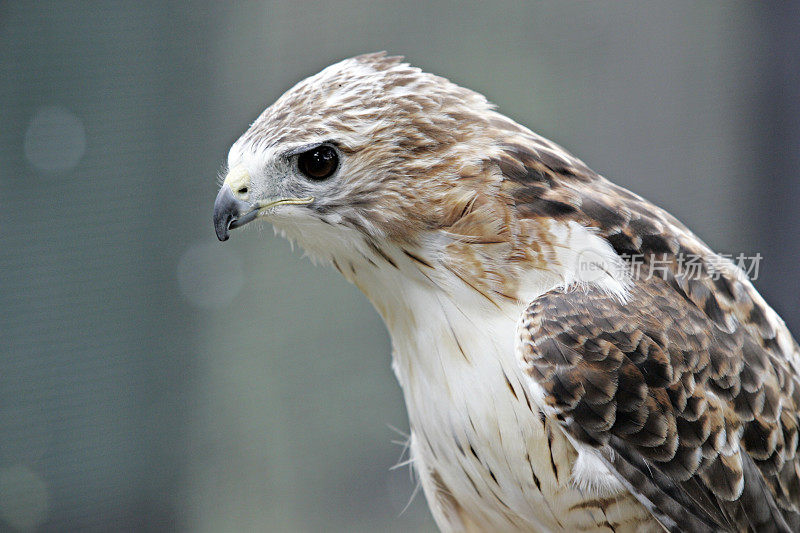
(318, 163)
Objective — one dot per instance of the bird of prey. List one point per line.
(550, 385)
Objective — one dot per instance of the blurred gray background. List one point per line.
(153, 379)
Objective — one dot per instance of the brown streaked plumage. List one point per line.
(540, 397)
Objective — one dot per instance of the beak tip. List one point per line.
(226, 210)
(222, 224)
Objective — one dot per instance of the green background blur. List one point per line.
(153, 379)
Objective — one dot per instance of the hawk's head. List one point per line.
(371, 157)
(369, 144)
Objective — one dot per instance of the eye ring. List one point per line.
(318, 163)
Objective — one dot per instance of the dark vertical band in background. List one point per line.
(778, 185)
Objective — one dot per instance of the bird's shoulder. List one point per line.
(695, 413)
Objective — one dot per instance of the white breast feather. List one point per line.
(464, 397)
(455, 358)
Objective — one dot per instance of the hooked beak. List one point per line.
(232, 208)
(231, 212)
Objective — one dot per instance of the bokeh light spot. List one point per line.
(23, 498)
(209, 275)
(55, 140)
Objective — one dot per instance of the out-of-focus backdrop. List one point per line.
(153, 379)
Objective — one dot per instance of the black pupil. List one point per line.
(318, 163)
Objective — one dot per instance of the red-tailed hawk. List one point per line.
(550, 385)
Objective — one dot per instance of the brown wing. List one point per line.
(696, 420)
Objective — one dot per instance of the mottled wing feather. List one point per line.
(696, 375)
(692, 417)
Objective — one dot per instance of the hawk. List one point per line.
(549, 385)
